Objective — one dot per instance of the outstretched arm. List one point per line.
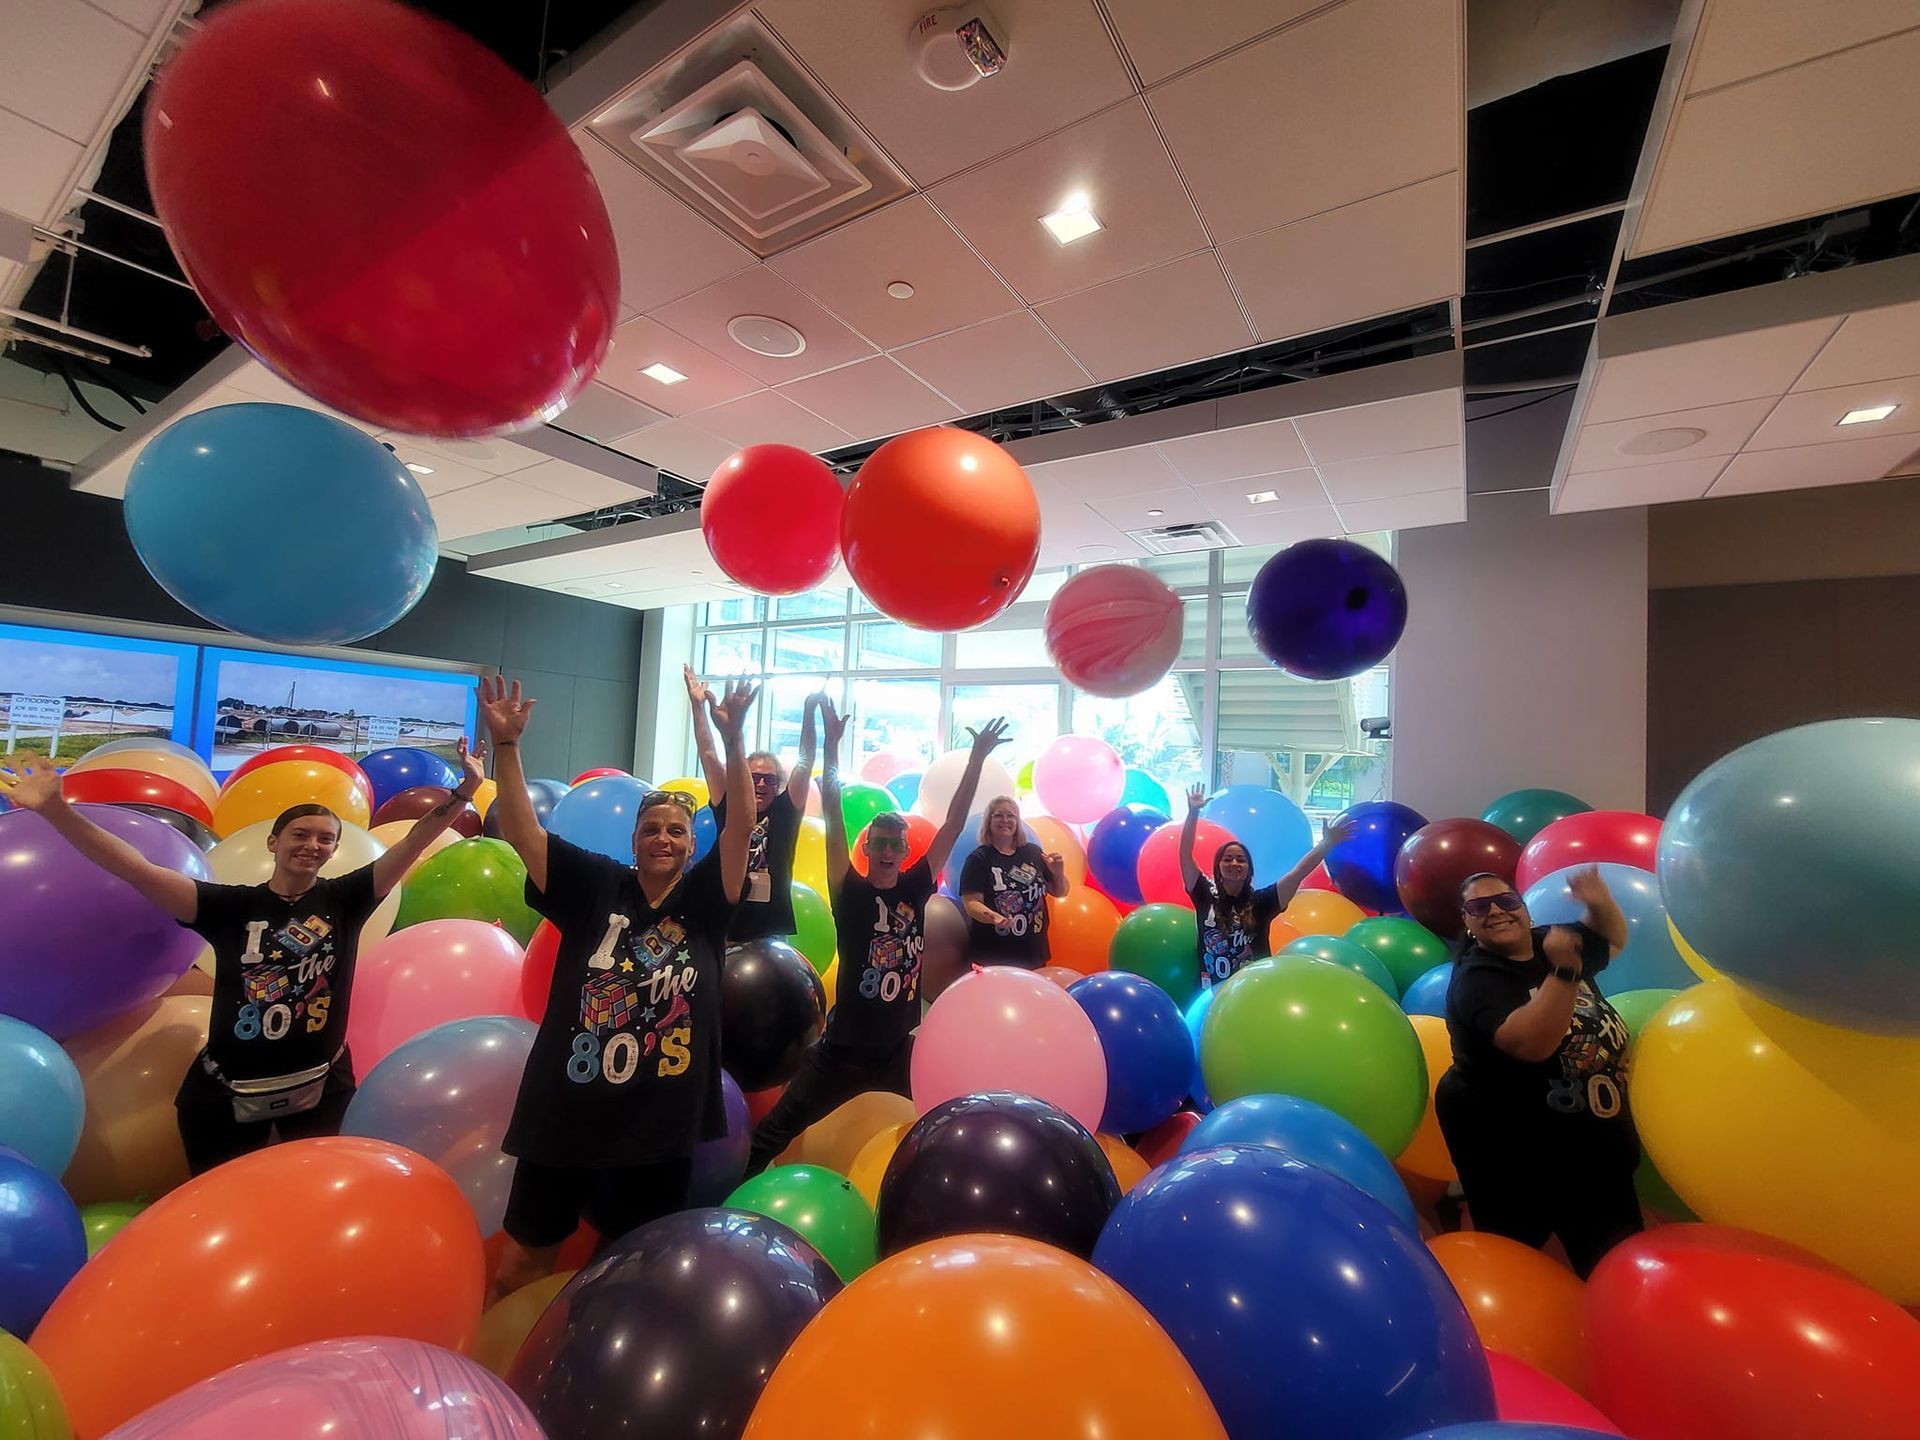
(391, 868)
(34, 784)
(1190, 827)
(1603, 911)
(699, 696)
(1339, 830)
(802, 773)
(985, 740)
(506, 715)
(729, 718)
(839, 857)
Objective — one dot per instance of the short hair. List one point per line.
(986, 816)
(766, 755)
(300, 812)
(889, 820)
(1475, 878)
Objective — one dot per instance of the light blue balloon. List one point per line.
(1196, 1017)
(600, 815)
(42, 1104)
(905, 788)
(1428, 994)
(1649, 961)
(1142, 789)
(1270, 825)
(1310, 1133)
(281, 523)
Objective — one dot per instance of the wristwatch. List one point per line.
(1566, 973)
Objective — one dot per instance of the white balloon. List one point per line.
(943, 778)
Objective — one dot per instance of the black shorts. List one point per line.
(548, 1202)
(211, 1136)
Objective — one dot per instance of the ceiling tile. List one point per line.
(1619, 444)
(1871, 345)
(1743, 38)
(63, 65)
(1390, 252)
(486, 457)
(33, 182)
(1704, 372)
(1001, 362)
(1094, 477)
(1165, 316)
(580, 487)
(1163, 39)
(703, 319)
(143, 15)
(1640, 485)
(1291, 489)
(679, 446)
(495, 504)
(1060, 66)
(873, 398)
(1359, 100)
(1404, 512)
(769, 418)
(1385, 476)
(1230, 454)
(1114, 159)
(600, 413)
(1812, 417)
(1386, 427)
(1176, 506)
(1847, 462)
(1287, 527)
(848, 271)
(666, 251)
(445, 474)
(1072, 534)
(639, 343)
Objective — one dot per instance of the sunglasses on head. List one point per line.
(1481, 906)
(669, 797)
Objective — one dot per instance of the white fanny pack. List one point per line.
(274, 1097)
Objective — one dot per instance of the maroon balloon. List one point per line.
(417, 800)
(1439, 857)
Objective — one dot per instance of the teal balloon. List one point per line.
(1525, 813)
(1142, 789)
(813, 933)
(822, 1206)
(472, 880)
(1406, 947)
(1348, 955)
(1160, 943)
(860, 803)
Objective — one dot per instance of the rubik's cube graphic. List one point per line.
(265, 984)
(607, 1003)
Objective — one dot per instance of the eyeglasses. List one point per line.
(669, 797)
(1480, 906)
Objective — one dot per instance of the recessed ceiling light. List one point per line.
(615, 585)
(419, 469)
(665, 374)
(900, 290)
(1664, 441)
(1867, 415)
(1262, 497)
(1074, 220)
(1156, 513)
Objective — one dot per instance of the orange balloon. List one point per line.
(1129, 1166)
(1056, 839)
(1521, 1302)
(1427, 1154)
(509, 1320)
(1082, 923)
(870, 1165)
(1030, 1340)
(308, 1240)
(262, 794)
(1322, 912)
(1280, 934)
(130, 1069)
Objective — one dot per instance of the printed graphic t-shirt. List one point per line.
(1016, 886)
(766, 904)
(1231, 936)
(282, 972)
(881, 935)
(626, 1067)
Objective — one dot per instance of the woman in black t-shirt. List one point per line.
(1004, 888)
(623, 1079)
(1534, 1108)
(276, 1064)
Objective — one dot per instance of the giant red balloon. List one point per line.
(771, 517)
(133, 787)
(1593, 837)
(1437, 858)
(378, 208)
(941, 529)
(1158, 866)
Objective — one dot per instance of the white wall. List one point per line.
(1525, 657)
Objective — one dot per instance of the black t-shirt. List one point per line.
(881, 935)
(282, 972)
(1231, 936)
(1586, 1077)
(626, 1067)
(766, 903)
(1016, 886)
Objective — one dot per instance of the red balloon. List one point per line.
(771, 515)
(536, 975)
(1114, 630)
(604, 770)
(1437, 858)
(941, 529)
(1593, 837)
(417, 800)
(1522, 1393)
(313, 754)
(378, 208)
(1158, 866)
(920, 833)
(1162, 1143)
(1697, 1334)
(760, 1103)
(1319, 879)
(133, 787)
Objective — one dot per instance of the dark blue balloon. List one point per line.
(1509, 1430)
(401, 767)
(1113, 849)
(1326, 609)
(1196, 1017)
(1150, 1055)
(1306, 1309)
(42, 1242)
(1308, 1132)
(1428, 994)
(1362, 867)
(705, 831)
(543, 795)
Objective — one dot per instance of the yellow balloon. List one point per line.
(1321, 912)
(1687, 953)
(130, 1070)
(507, 1323)
(394, 831)
(810, 855)
(870, 1165)
(1426, 1154)
(1129, 1165)
(693, 787)
(190, 773)
(1803, 1131)
(830, 980)
(835, 1142)
(262, 794)
(484, 794)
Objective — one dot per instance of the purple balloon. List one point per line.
(719, 1165)
(1326, 609)
(78, 947)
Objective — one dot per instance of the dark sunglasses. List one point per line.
(887, 842)
(669, 797)
(760, 779)
(1481, 906)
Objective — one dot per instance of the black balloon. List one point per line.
(674, 1330)
(543, 794)
(1001, 1164)
(199, 834)
(772, 1007)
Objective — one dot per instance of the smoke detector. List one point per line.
(957, 47)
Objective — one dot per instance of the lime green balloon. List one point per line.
(106, 1220)
(1523, 814)
(1347, 954)
(470, 880)
(30, 1406)
(860, 803)
(820, 1204)
(1406, 947)
(1024, 780)
(1636, 1007)
(1159, 943)
(813, 933)
(1299, 1026)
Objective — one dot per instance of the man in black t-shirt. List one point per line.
(879, 920)
(1534, 1109)
(779, 802)
(1004, 888)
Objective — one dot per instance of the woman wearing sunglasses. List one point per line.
(1534, 1109)
(624, 1076)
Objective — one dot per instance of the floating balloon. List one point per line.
(1082, 924)
(1163, 1142)
(426, 976)
(1270, 825)
(395, 831)
(1311, 1134)
(771, 518)
(1326, 609)
(1079, 778)
(1649, 958)
(263, 794)
(1196, 1018)
(1113, 849)
(1006, 1029)
(473, 880)
(201, 835)
(820, 1206)
(1348, 955)
(719, 1164)
(130, 1068)
(813, 933)
(1158, 868)
(1149, 1052)
(1114, 630)
(1056, 838)
(1362, 865)
(42, 1102)
(148, 743)
(107, 1219)
(133, 787)
(411, 804)
(1437, 859)
(1523, 814)
(42, 1242)
(543, 795)
(1407, 948)
(1142, 789)
(772, 1007)
(905, 788)
(1521, 1302)
(536, 971)
(1592, 837)
(1160, 943)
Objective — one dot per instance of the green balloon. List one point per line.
(1159, 943)
(1024, 780)
(1349, 955)
(813, 933)
(860, 803)
(1406, 947)
(30, 1406)
(1300, 1026)
(1142, 789)
(1525, 813)
(820, 1204)
(1636, 1007)
(107, 1219)
(471, 880)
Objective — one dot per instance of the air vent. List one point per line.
(1186, 539)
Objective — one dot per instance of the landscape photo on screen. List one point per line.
(62, 693)
(257, 704)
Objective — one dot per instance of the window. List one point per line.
(1032, 713)
(784, 701)
(810, 603)
(897, 716)
(1157, 731)
(730, 652)
(994, 649)
(886, 645)
(818, 648)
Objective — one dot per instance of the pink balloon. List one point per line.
(1523, 1394)
(1114, 630)
(1079, 778)
(1000, 1028)
(881, 767)
(1158, 866)
(428, 975)
(371, 1389)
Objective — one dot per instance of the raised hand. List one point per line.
(990, 736)
(730, 711)
(503, 709)
(1056, 862)
(473, 761)
(1562, 947)
(1340, 829)
(1588, 888)
(832, 724)
(1196, 797)
(29, 781)
(698, 691)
